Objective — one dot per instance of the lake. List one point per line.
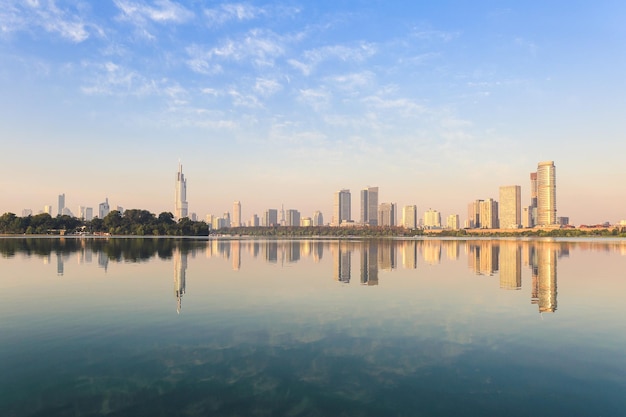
(192, 327)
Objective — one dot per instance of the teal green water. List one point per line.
(162, 327)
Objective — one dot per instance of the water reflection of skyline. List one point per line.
(372, 260)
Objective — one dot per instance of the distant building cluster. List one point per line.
(506, 213)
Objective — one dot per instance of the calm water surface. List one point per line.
(163, 327)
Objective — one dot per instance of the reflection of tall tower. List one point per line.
(409, 254)
(342, 260)
(369, 263)
(181, 206)
(510, 266)
(318, 251)
(271, 252)
(431, 252)
(103, 260)
(483, 258)
(60, 266)
(236, 253)
(180, 271)
(544, 283)
(387, 255)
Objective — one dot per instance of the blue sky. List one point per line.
(270, 103)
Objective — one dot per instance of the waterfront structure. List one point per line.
(318, 219)
(489, 214)
(180, 205)
(473, 214)
(369, 206)
(452, 222)
(254, 221)
(342, 210)
(409, 217)
(387, 214)
(89, 213)
(293, 218)
(533, 199)
(103, 208)
(61, 204)
(510, 207)
(306, 222)
(237, 214)
(270, 218)
(226, 217)
(47, 209)
(546, 193)
(527, 219)
(432, 219)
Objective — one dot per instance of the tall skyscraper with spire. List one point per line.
(546, 193)
(181, 206)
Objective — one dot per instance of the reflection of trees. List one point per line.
(114, 249)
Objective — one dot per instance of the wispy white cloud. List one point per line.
(244, 100)
(241, 12)
(318, 99)
(353, 82)
(232, 11)
(434, 35)
(267, 87)
(140, 14)
(259, 47)
(313, 57)
(16, 16)
(404, 106)
(531, 47)
(111, 79)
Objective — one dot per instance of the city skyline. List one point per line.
(285, 103)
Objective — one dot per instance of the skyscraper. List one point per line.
(318, 219)
(489, 214)
(533, 199)
(432, 219)
(237, 214)
(342, 210)
(546, 193)
(61, 203)
(387, 214)
(103, 208)
(510, 207)
(409, 217)
(369, 206)
(180, 205)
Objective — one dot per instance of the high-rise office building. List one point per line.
(533, 199)
(387, 214)
(293, 218)
(452, 222)
(369, 206)
(318, 219)
(409, 217)
(270, 218)
(180, 205)
(510, 207)
(432, 219)
(237, 214)
(546, 193)
(342, 210)
(489, 214)
(473, 214)
(61, 203)
(103, 208)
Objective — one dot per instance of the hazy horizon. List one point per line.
(272, 103)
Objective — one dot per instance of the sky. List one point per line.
(284, 103)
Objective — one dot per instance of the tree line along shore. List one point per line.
(136, 222)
